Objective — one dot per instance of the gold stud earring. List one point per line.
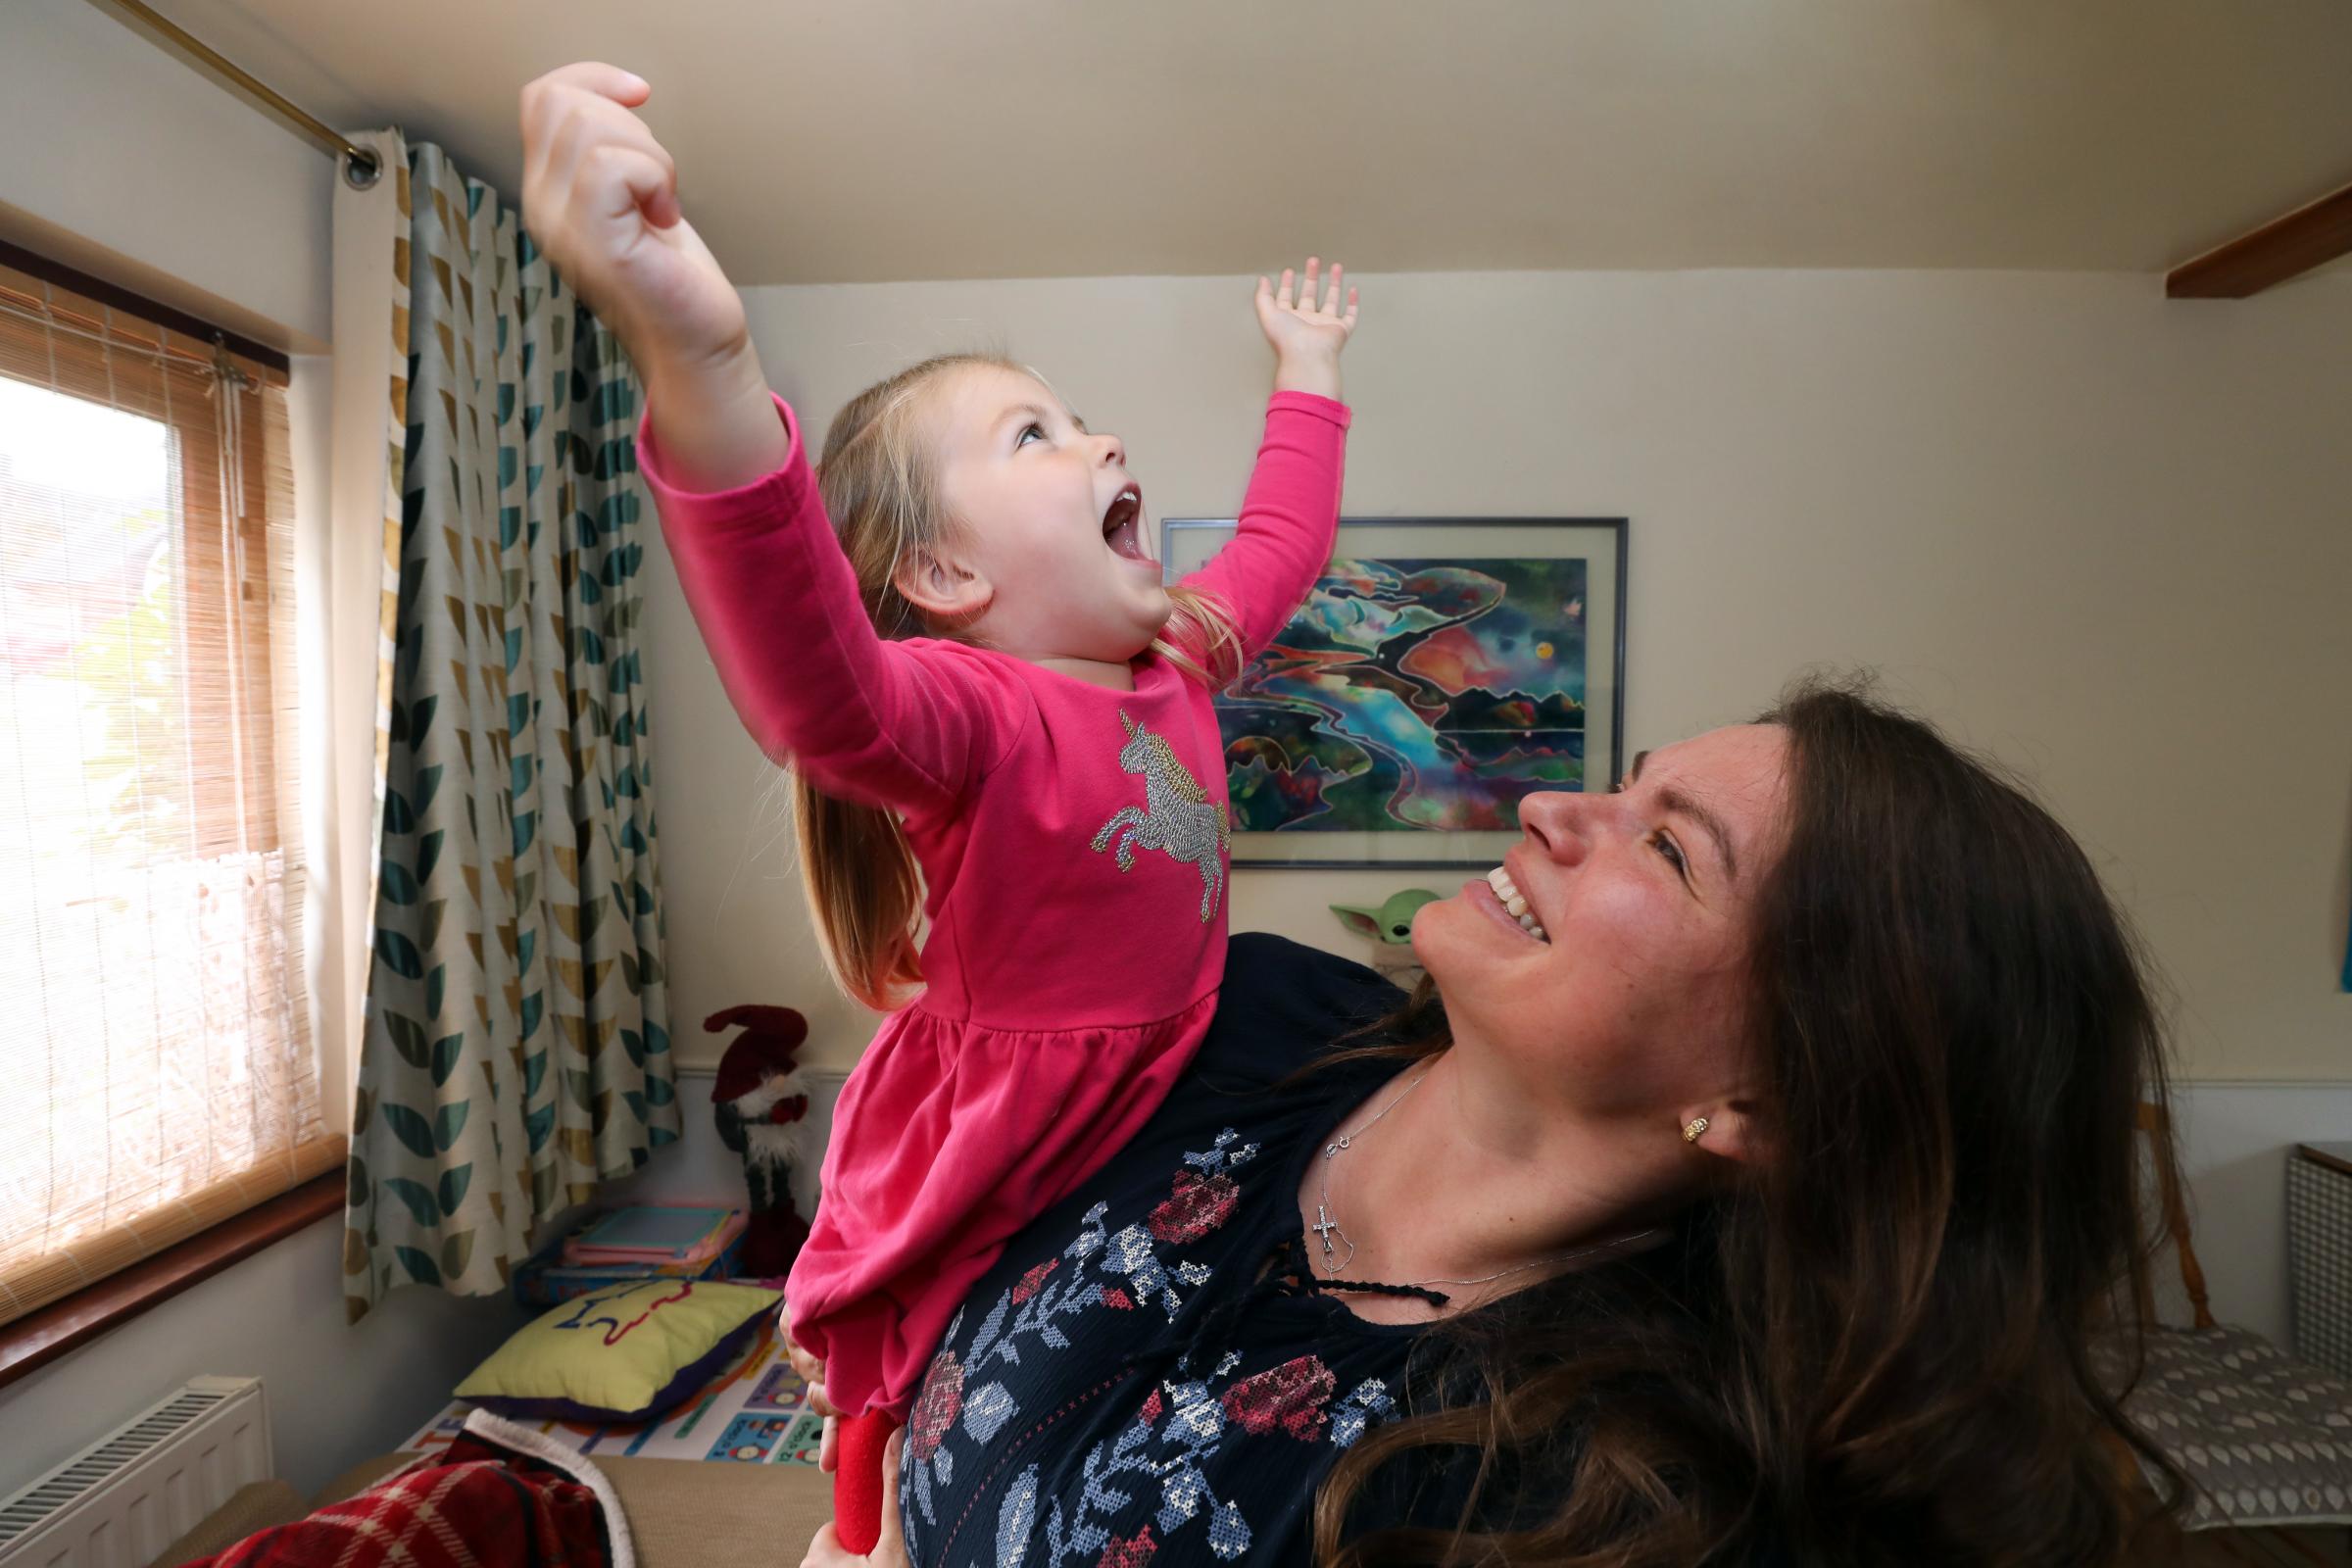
(1698, 1124)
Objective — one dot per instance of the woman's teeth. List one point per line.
(1514, 903)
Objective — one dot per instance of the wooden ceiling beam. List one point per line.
(2286, 247)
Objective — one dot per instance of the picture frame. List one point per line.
(1370, 733)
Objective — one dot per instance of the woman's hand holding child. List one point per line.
(890, 1550)
(826, 1550)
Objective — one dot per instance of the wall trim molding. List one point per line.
(825, 1075)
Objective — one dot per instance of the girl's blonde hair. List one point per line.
(880, 483)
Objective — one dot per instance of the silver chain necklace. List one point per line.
(1325, 1227)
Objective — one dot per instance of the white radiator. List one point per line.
(122, 1500)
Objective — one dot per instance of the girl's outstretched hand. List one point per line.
(1306, 335)
(601, 198)
(600, 195)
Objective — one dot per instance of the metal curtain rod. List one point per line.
(360, 166)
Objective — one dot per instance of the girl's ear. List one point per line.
(944, 588)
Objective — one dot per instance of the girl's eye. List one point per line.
(1028, 430)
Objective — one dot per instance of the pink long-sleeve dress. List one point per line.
(1073, 844)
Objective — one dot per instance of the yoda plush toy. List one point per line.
(1390, 930)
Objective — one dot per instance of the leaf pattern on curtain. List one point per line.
(518, 1025)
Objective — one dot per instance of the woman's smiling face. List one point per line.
(1633, 996)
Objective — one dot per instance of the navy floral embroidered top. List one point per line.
(1132, 1381)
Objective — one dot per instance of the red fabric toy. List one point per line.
(858, 1481)
(500, 1496)
(762, 1110)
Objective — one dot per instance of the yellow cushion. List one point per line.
(621, 1354)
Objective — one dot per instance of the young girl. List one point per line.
(998, 722)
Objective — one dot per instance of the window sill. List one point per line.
(39, 1338)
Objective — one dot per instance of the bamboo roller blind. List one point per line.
(155, 1066)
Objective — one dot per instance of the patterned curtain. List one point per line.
(516, 1049)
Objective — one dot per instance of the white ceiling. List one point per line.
(838, 140)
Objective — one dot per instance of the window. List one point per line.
(155, 1066)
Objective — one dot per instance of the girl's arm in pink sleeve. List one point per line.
(1288, 519)
(907, 726)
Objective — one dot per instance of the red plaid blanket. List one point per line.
(499, 1496)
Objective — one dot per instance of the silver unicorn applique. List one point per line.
(1177, 816)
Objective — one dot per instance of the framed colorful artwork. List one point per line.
(1440, 670)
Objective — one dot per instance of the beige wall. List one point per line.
(2103, 536)
(122, 161)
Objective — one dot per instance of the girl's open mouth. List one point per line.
(1123, 526)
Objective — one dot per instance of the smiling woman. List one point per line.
(1890, 1106)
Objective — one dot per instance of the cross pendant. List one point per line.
(1323, 1226)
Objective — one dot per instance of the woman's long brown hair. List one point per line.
(1875, 1346)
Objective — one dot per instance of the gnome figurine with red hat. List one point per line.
(762, 1110)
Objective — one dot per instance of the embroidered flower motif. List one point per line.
(1228, 1533)
(1357, 1414)
(985, 1409)
(1290, 1397)
(1017, 1520)
(1199, 1419)
(935, 1411)
(1152, 1408)
(1113, 1295)
(1132, 1552)
(1196, 1208)
(1130, 1252)
(1028, 1284)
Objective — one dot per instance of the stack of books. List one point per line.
(625, 1245)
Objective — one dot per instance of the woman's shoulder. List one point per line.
(1283, 1004)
